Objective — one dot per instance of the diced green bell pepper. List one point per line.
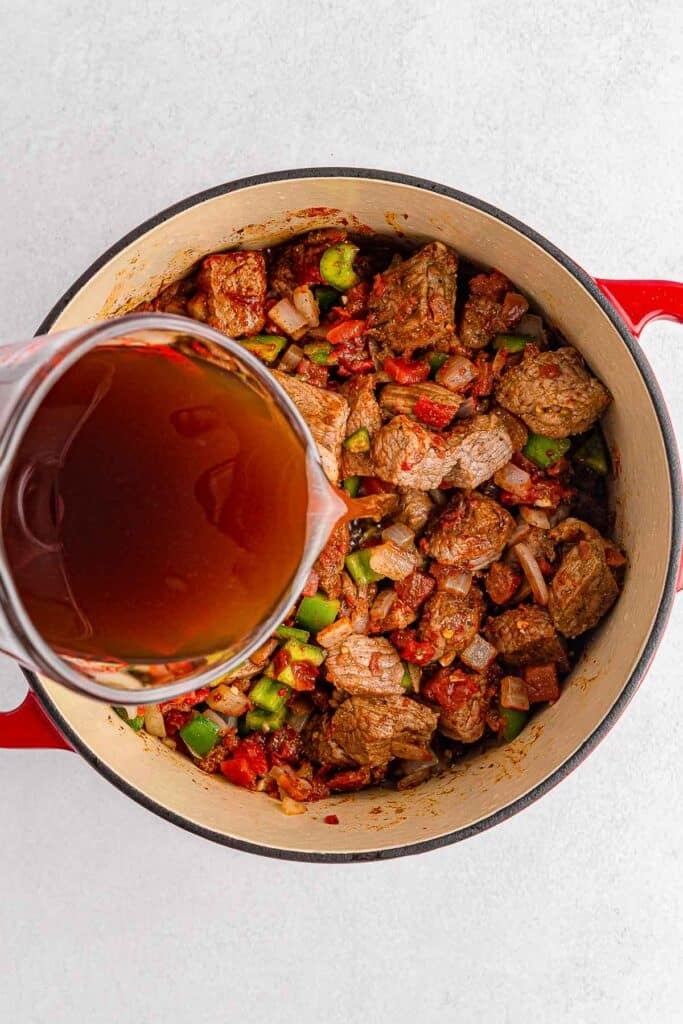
(200, 735)
(336, 266)
(316, 612)
(513, 723)
(358, 566)
(292, 633)
(269, 694)
(260, 720)
(319, 352)
(326, 298)
(358, 442)
(545, 451)
(266, 346)
(406, 679)
(136, 722)
(437, 359)
(593, 453)
(352, 486)
(510, 342)
(298, 652)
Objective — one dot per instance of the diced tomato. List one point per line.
(414, 589)
(348, 331)
(373, 485)
(450, 688)
(280, 661)
(434, 414)
(406, 371)
(305, 675)
(174, 720)
(541, 682)
(418, 652)
(186, 701)
(240, 772)
(248, 761)
(284, 746)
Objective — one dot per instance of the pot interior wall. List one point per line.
(376, 820)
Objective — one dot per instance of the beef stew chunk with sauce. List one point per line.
(465, 433)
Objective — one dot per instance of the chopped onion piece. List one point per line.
(467, 409)
(390, 560)
(290, 806)
(479, 654)
(438, 496)
(227, 700)
(531, 326)
(400, 534)
(456, 583)
(513, 693)
(291, 359)
(382, 605)
(512, 478)
(532, 572)
(519, 533)
(216, 719)
(304, 302)
(154, 721)
(287, 317)
(456, 373)
(535, 517)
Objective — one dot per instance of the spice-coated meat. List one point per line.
(478, 447)
(451, 621)
(525, 636)
(491, 308)
(234, 287)
(583, 589)
(462, 701)
(364, 411)
(372, 730)
(553, 392)
(470, 533)
(330, 561)
(367, 666)
(407, 454)
(325, 413)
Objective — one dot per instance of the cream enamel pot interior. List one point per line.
(484, 788)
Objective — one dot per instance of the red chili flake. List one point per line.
(331, 819)
(434, 414)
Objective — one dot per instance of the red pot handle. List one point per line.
(29, 726)
(638, 302)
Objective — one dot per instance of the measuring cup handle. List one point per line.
(28, 726)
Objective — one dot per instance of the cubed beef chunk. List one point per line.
(330, 562)
(319, 744)
(407, 454)
(539, 542)
(491, 308)
(516, 430)
(478, 447)
(553, 392)
(462, 702)
(359, 392)
(234, 286)
(583, 589)
(373, 506)
(450, 622)
(503, 582)
(397, 607)
(373, 730)
(299, 263)
(325, 413)
(366, 666)
(415, 509)
(525, 636)
(469, 534)
(412, 303)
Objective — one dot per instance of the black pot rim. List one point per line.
(663, 613)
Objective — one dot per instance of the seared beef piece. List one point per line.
(525, 636)
(462, 701)
(299, 263)
(401, 398)
(367, 666)
(553, 392)
(407, 454)
(516, 430)
(583, 589)
(373, 506)
(503, 582)
(234, 286)
(490, 309)
(450, 622)
(171, 299)
(326, 415)
(372, 730)
(319, 745)
(415, 509)
(478, 447)
(412, 304)
(469, 534)
(408, 595)
(330, 561)
(359, 392)
(571, 530)
(539, 542)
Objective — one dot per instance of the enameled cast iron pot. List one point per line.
(602, 319)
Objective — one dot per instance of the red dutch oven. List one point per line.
(603, 319)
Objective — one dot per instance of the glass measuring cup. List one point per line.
(28, 372)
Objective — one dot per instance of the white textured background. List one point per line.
(568, 115)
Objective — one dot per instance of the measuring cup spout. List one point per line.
(325, 506)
